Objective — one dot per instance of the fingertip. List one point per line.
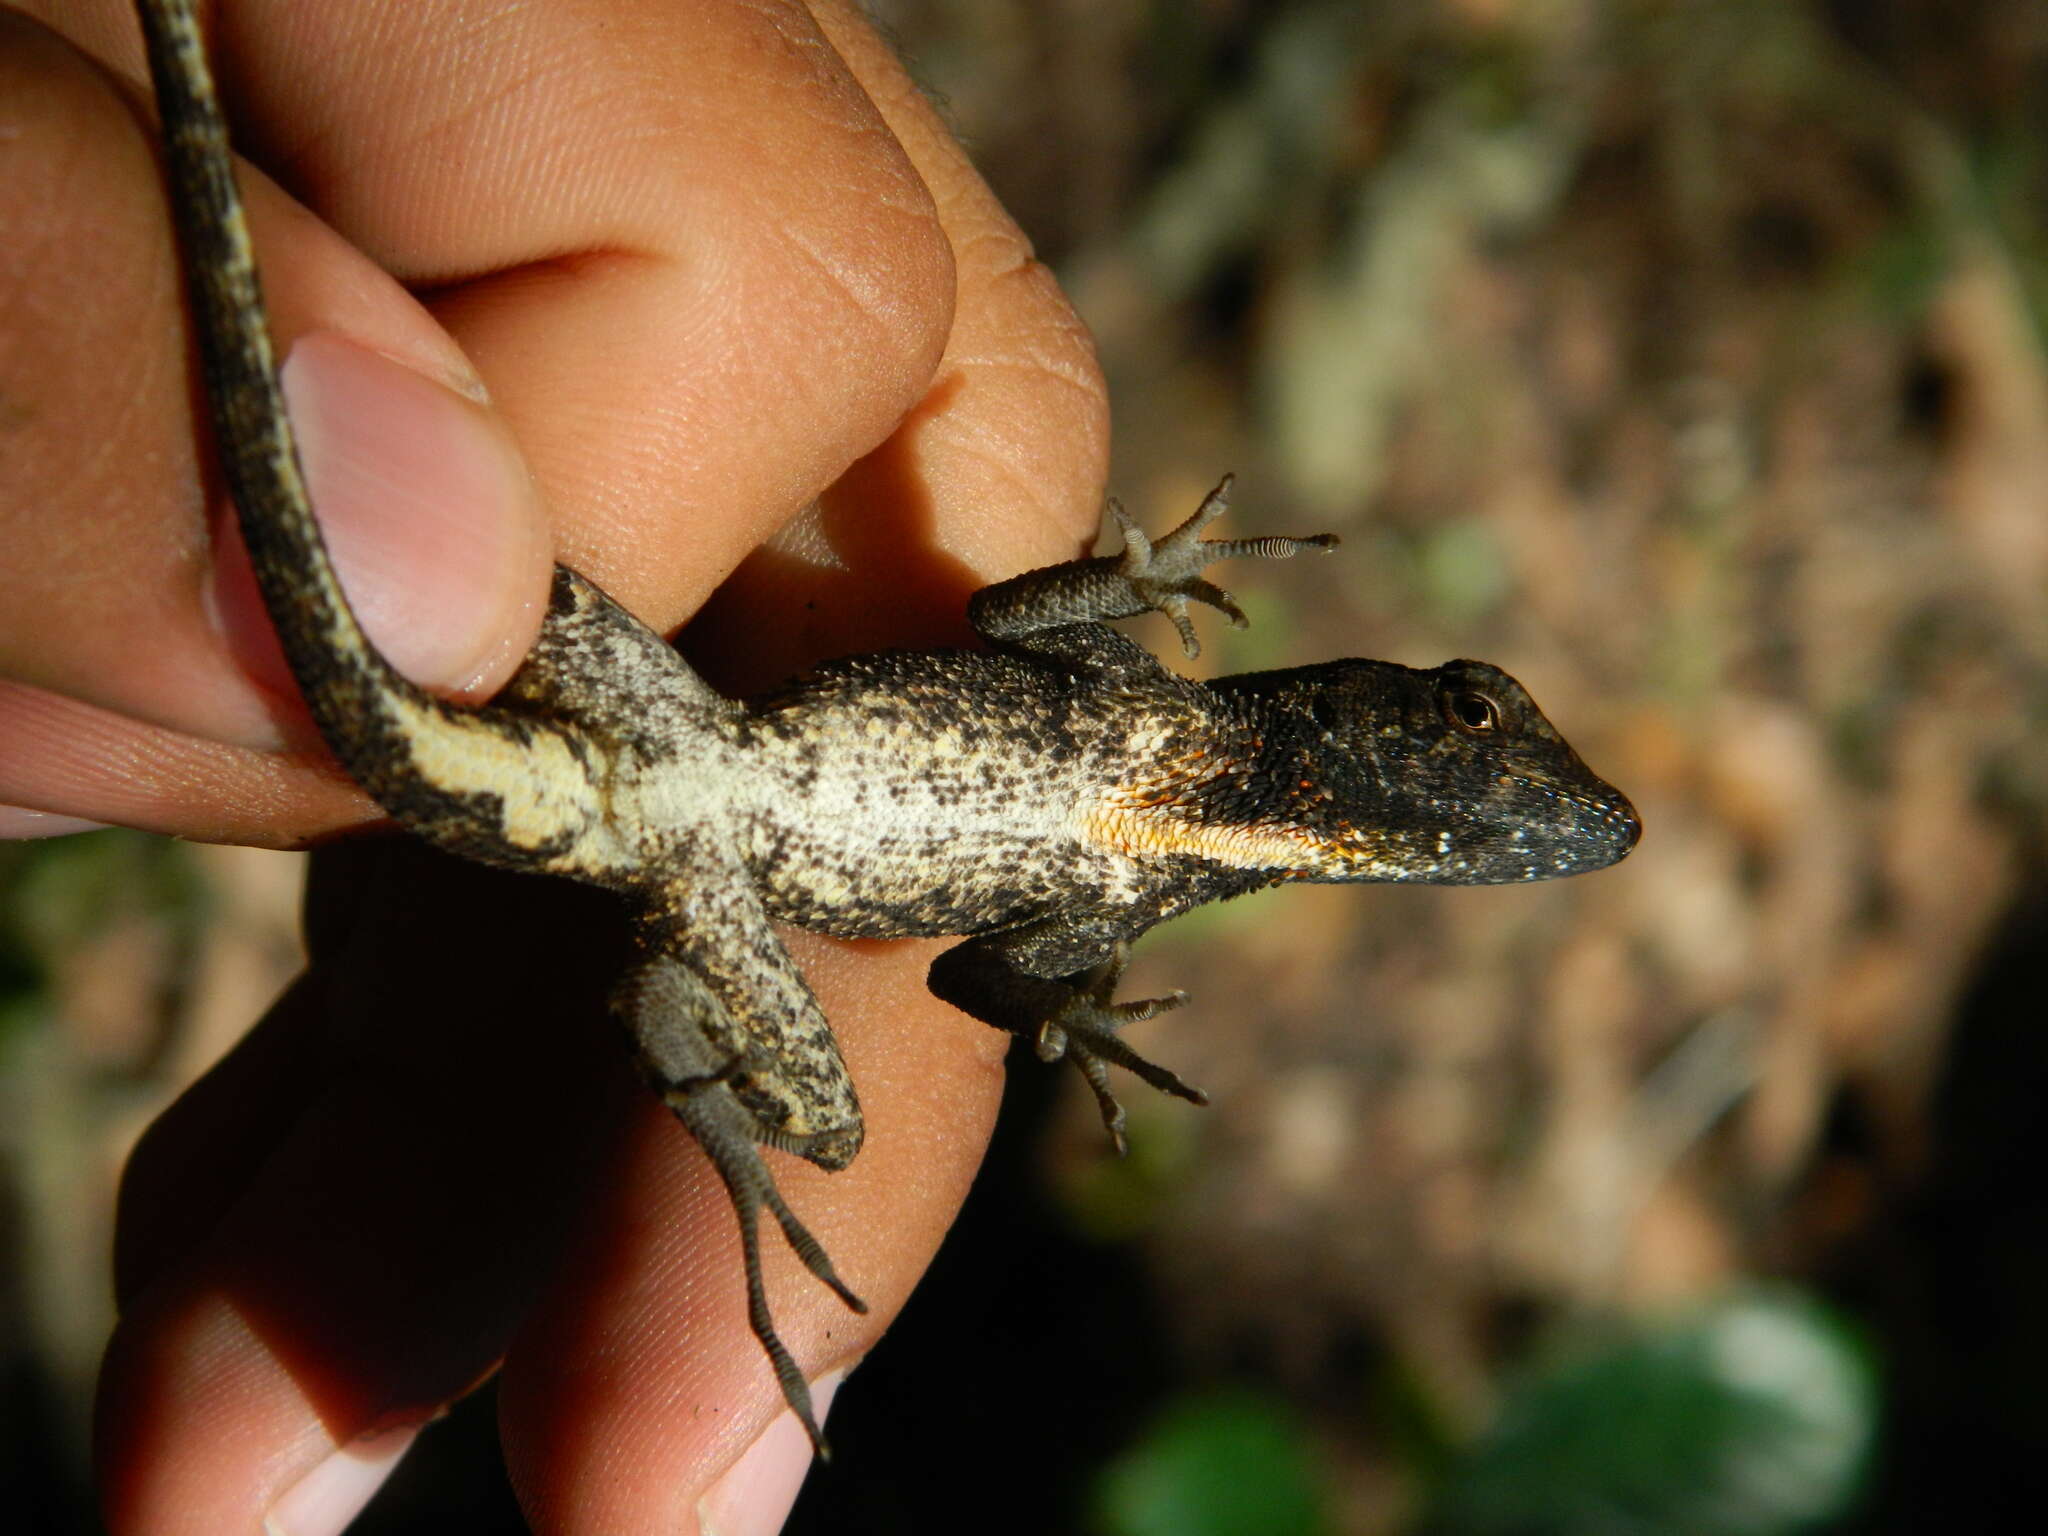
(328, 1498)
(201, 1427)
(197, 1427)
(20, 824)
(754, 1495)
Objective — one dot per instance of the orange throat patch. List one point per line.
(1148, 830)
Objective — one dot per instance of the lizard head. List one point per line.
(1444, 776)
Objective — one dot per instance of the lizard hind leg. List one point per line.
(694, 1057)
(727, 1134)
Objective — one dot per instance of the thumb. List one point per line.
(427, 509)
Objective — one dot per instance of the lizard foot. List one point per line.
(1167, 575)
(727, 1134)
(1085, 1033)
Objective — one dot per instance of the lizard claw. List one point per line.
(1167, 575)
(1085, 1033)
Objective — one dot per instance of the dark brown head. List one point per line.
(1450, 776)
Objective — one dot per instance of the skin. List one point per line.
(712, 264)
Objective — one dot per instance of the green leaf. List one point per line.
(1221, 1464)
(1751, 1417)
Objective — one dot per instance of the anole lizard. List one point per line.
(1051, 797)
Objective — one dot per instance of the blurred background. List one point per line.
(1685, 358)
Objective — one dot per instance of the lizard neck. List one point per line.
(1231, 785)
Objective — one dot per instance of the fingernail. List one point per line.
(427, 508)
(18, 823)
(755, 1495)
(326, 1499)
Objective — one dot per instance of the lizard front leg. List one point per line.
(729, 1035)
(1059, 611)
(1034, 983)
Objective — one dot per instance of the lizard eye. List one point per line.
(1472, 711)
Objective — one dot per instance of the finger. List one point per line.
(692, 327)
(112, 593)
(61, 757)
(337, 1232)
(359, 1245)
(1012, 441)
(999, 468)
(637, 1384)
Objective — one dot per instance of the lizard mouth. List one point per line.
(1593, 827)
(1631, 824)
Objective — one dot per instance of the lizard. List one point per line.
(1048, 798)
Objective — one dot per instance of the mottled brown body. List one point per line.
(1052, 797)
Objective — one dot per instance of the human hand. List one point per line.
(713, 262)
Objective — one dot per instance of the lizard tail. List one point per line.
(333, 660)
(504, 789)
